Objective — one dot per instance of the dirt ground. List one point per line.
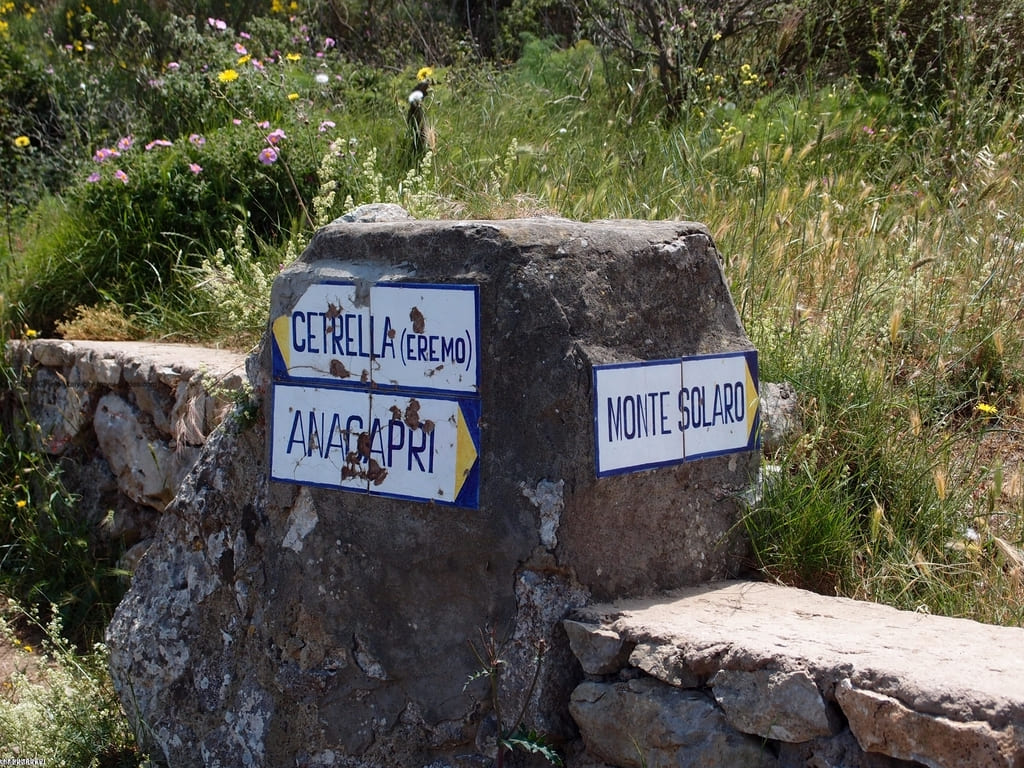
(19, 654)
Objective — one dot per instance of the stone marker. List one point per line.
(428, 419)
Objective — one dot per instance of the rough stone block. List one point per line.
(600, 651)
(786, 706)
(666, 663)
(883, 724)
(646, 724)
(147, 470)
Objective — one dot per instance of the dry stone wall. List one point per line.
(751, 674)
(126, 420)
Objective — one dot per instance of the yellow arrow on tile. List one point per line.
(282, 338)
(465, 453)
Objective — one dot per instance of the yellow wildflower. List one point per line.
(425, 73)
(988, 410)
(21, 503)
(293, 56)
(228, 76)
(22, 141)
(292, 96)
(244, 59)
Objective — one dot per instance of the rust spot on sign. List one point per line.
(333, 311)
(376, 472)
(418, 321)
(363, 445)
(338, 369)
(412, 414)
(428, 426)
(396, 413)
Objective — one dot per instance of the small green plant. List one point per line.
(49, 555)
(513, 734)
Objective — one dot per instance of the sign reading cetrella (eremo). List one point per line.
(656, 413)
(376, 390)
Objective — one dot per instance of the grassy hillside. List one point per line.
(160, 170)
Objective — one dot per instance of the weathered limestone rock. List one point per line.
(789, 704)
(147, 470)
(666, 663)
(318, 626)
(784, 663)
(883, 724)
(647, 723)
(600, 651)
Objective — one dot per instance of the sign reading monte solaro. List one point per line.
(378, 391)
(657, 413)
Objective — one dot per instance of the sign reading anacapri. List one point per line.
(376, 390)
(655, 413)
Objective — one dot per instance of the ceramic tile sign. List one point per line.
(376, 390)
(392, 335)
(384, 444)
(657, 413)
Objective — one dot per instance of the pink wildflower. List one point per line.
(104, 153)
(121, 176)
(196, 168)
(267, 156)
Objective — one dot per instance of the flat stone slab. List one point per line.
(137, 359)
(935, 690)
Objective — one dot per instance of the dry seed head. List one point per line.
(895, 321)
(939, 476)
(808, 148)
(783, 200)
